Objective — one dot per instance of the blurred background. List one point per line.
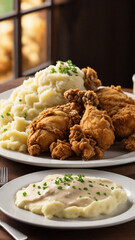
(95, 33)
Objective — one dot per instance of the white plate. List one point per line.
(123, 214)
(113, 156)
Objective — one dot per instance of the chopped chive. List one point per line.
(89, 193)
(80, 196)
(96, 199)
(25, 115)
(8, 114)
(98, 193)
(5, 129)
(24, 194)
(73, 187)
(34, 185)
(105, 193)
(90, 181)
(2, 116)
(20, 100)
(44, 188)
(39, 193)
(56, 181)
(45, 184)
(106, 185)
(59, 187)
(85, 188)
(53, 70)
(39, 187)
(90, 185)
(112, 188)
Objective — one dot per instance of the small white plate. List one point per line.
(122, 214)
(113, 156)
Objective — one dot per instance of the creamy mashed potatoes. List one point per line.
(33, 96)
(71, 196)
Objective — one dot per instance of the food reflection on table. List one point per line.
(71, 196)
(63, 110)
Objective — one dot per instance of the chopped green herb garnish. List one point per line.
(85, 188)
(5, 129)
(98, 193)
(105, 193)
(39, 187)
(8, 114)
(44, 188)
(80, 196)
(34, 185)
(39, 193)
(20, 100)
(74, 187)
(96, 199)
(53, 70)
(2, 116)
(25, 115)
(57, 182)
(90, 185)
(24, 194)
(89, 193)
(59, 187)
(80, 188)
(112, 188)
(45, 184)
(68, 184)
(90, 181)
(106, 185)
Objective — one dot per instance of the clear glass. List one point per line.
(34, 39)
(6, 6)
(27, 4)
(6, 50)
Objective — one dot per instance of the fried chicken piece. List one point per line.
(124, 121)
(84, 146)
(122, 110)
(95, 130)
(52, 124)
(61, 150)
(129, 143)
(112, 99)
(91, 81)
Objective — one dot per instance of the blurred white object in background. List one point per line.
(133, 78)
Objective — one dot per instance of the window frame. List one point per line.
(16, 16)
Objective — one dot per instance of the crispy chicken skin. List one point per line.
(95, 133)
(124, 121)
(52, 124)
(112, 99)
(61, 150)
(122, 110)
(129, 143)
(91, 81)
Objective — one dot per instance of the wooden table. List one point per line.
(124, 231)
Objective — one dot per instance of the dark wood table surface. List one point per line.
(124, 231)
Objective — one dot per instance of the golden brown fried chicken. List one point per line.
(124, 121)
(91, 81)
(129, 143)
(122, 110)
(61, 150)
(84, 146)
(95, 133)
(112, 99)
(52, 124)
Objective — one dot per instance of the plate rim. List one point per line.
(115, 220)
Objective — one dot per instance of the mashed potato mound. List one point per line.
(71, 196)
(33, 96)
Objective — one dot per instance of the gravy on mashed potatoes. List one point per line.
(69, 196)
